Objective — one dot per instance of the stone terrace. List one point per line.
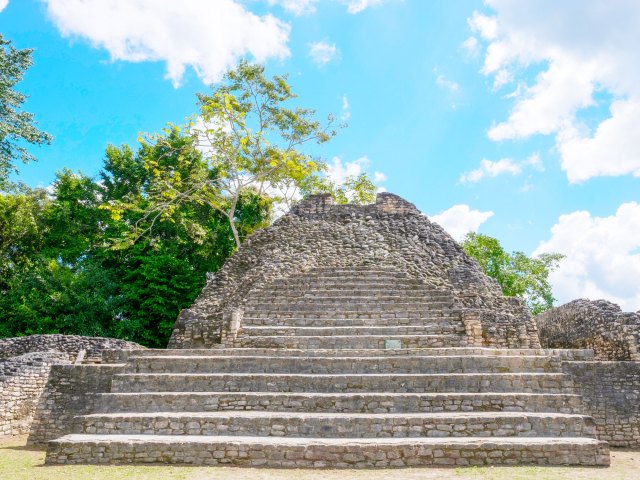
(337, 382)
(347, 337)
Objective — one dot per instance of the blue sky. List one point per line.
(517, 118)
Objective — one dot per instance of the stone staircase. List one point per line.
(356, 308)
(333, 373)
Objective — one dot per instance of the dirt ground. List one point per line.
(20, 463)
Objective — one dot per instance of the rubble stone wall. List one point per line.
(392, 233)
(599, 325)
(70, 390)
(24, 369)
(21, 381)
(69, 344)
(611, 395)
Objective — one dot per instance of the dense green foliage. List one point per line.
(16, 126)
(517, 274)
(60, 274)
(121, 254)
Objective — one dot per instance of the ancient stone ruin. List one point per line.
(599, 325)
(610, 387)
(25, 363)
(390, 236)
(342, 336)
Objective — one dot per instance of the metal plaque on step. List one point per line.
(392, 344)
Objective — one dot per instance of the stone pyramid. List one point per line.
(344, 336)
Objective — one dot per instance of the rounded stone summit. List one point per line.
(293, 260)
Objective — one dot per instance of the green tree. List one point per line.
(22, 230)
(16, 126)
(517, 274)
(357, 189)
(250, 139)
(60, 274)
(53, 297)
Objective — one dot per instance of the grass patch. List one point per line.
(19, 463)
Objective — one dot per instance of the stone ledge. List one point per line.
(283, 452)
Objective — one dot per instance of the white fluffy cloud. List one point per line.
(471, 47)
(339, 170)
(490, 168)
(460, 220)
(602, 256)
(357, 6)
(346, 109)
(379, 177)
(444, 82)
(322, 52)
(3, 4)
(210, 37)
(304, 7)
(297, 7)
(581, 49)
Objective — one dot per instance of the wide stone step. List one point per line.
(342, 296)
(357, 275)
(363, 293)
(121, 356)
(343, 383)
(292, 281)
(322, 308)
(347, 342)
(259, 319)
(349, 283)
(349, 272)
(337, 402)
(326, 315)
(322, 305)
(295, 452)
(332, 330)
(366, 269)
(352, 365)
(341, 425)
(326, 300)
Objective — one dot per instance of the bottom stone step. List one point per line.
(325, 453)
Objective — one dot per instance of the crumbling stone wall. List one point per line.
(599, 325)
(22, 379)
(70, 390)
(69, 344)
(611, 395)
(25, 363)
(391, 233)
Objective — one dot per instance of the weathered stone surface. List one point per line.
(22, 379)
(388, 248)
(284, 452)
(342, 337)
(368, 402)
(70, 390)
(24, 369)
(599, 325)
(217, 407)
(611, 394)
(69, 344)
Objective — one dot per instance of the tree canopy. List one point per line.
(60, 274)
(517, 274)
(121, 254)
(17, 127)
(248, 138)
